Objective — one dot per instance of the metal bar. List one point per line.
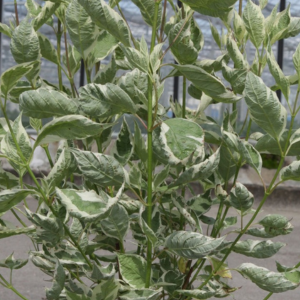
(280, 49)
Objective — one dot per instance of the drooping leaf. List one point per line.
(108, 19)
(82, 30)
(267, 280)
(58, 283)
(98, 100)
(223, 270)
(199, 171)
(191, 245)
(106, 290)
(8, 180)
(7, 232)
(11, 76)
(240, 198)
(107, 74)
(147, 8)
(133, 269)
(116, 224)
(101, 169)
(86, 205)
(6, 30)
(264, 106)
(228, 164)
(47, 49)
(250, 155)
(69, 127)
(45, 103)
(207, 83)
(45, 14)
(143, 294)
(255, 23)
(291, 172)
(213, 8)
(257, 249)
(235, 77)
(176, 140)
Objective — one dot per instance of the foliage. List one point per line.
(137, 187)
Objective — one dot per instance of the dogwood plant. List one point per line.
(130, 188)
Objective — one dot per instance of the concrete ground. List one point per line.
(31, 282)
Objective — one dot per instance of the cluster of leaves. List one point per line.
(139, 188)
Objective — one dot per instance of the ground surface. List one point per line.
(31, 282)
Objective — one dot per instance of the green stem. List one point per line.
(184, 97)
(18, 218)
(17, 293)
(58, 40)
(150, 154)
(163, 22)
(87, 72)
(241, 7)
(268, 296)
(48, 156)
(248, 130)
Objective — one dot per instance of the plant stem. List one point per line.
(184, 97)
(48, 156)
(268, 296)
(241, 8)
(150, 154)
(18, 218)
(58, 39)
(163, 22)
(87, 72)
(16, 13)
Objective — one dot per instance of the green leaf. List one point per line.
(74, 60)
(235, 77)
(8, 180)
(191, 245)
(135, 84)
(207, 83)
(100, 273)
(7, 232)
(239, 27)
(274, 221)
(116, 224)
(281, 80)
(136, 58)
(9, 148)
(101, 169)
(216, 35)
(296, 60)
(45, 103)
(223, 271)
(69, 128)
(203, 294)
(58, 283)
(263, 3)
(240, 198)
(133, 269)
(250, 155)
(144, 294)
(139, 144)
(269, 281)
(32, 7)
(198, 171)
(293, 28)
(106, 290)
(255, 23)
(173, 280)
(257, 249)
(176, 140)
(106, 18)
(280, 26)
(124, 145)
(11, 76)
(82, 30)
(213, 8)
(227, 165)
(47, 49)
(291, 172)
(103, 46)
(236, 55)
(107, 74)
(87, 206)
(11, 263)
(45, 14)
(147, 8)
(160, 177)
(6, 30)
(281, 268)
(98, 100)
(264, 106)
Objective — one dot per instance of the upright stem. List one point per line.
(150, 154)
(184, 97)
(241, 7)
(58, 39)
(163, 22)
(16, 13)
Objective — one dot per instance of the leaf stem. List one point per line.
(163, 22)
(268, 296)
(58, 40)
(18, 218)
(184, 97)
(150, 154)
(241, 8)
(48, 156)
